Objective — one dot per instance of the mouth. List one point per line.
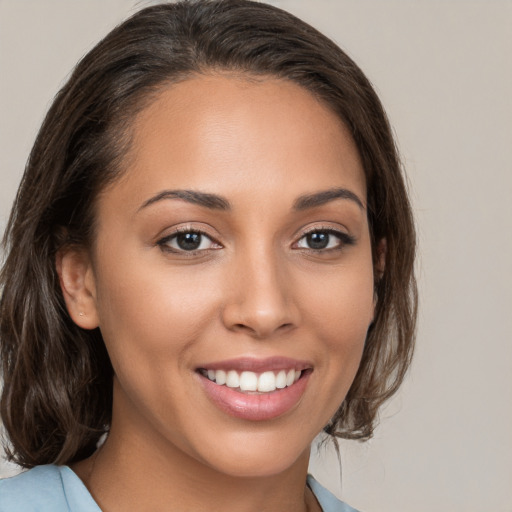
(253, 382)
(255, 390)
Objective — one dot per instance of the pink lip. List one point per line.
(257, 365)
(256, 407)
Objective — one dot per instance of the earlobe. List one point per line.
(379, 269)
(380, 260)
(78, 286)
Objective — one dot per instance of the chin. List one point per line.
(258, 467)
(257, 458)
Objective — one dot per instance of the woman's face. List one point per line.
(235, 246)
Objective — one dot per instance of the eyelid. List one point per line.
(344, 237)
(163, 242)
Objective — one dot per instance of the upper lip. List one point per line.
(252, 364)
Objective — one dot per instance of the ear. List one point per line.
(379, 267)
(380, 264)
(78, 285)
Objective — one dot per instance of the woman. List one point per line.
(210, 260)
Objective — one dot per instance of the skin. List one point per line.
(257, 290)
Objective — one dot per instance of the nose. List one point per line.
(261, 299)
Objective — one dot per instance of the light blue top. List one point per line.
(58, 489)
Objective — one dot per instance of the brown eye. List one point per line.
(188, 241)
(324, 240)
(318, 240)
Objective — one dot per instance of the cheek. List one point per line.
(152, 312)
(342, 304)
(340, 314)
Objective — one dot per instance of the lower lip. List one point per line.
(255, 407)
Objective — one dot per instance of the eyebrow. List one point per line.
(212, 201)
(326, 196)
(216, 202)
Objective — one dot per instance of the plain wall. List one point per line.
(442, 69)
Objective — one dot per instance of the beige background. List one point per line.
(443, 70)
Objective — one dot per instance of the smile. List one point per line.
(255, 389)
(248, 381)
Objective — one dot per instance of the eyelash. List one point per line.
(164, 242)
(344, 240)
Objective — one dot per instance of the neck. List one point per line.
(134, 472)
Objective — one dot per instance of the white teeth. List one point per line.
(281, 379)
(232, 379)
(220, 377)
(266, 382)
(248, 381)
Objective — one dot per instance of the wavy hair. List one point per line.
(57, 378)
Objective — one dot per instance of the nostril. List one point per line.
(259, 318)
(261, 333)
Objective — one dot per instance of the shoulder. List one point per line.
(327, 500)
(37, 489)
(44, 489)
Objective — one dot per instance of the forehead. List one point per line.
(221, 132)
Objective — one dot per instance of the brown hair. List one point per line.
(57, 392)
